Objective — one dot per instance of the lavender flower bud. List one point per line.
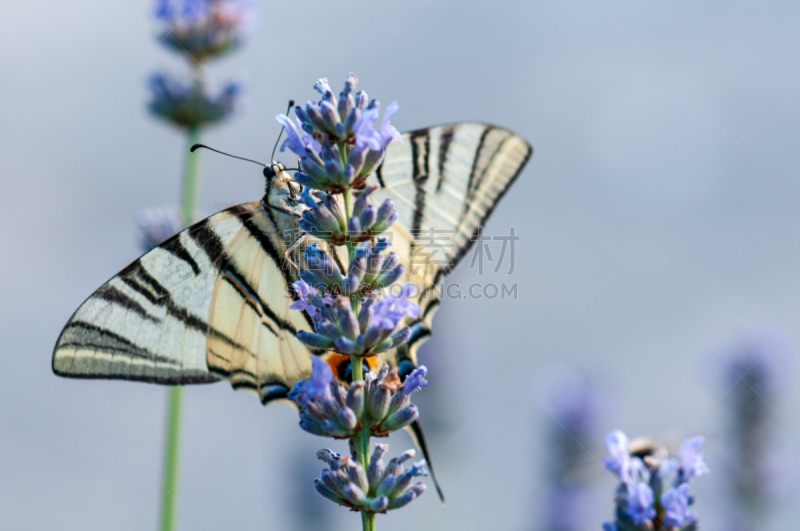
(347, 104)
(320, 487)
(314, 114)
(348, 322)
(347, 418)
(350, 285)
(348, 175)
(389, 277)
(378, 402)
(365, 315)
(379, 504)
(357, 159)
(354, 494)
(355, 398)
(344, 345)
(329, 456)
(351, 118)
(376, 464)
(361, 100)
(329, 116)
(324, 89)
(362, 201)
(401, 418)
(357, 475)
(367, 216)
(313, 340)
(386, 486)
(371, 160)
(354, 227)
(350, 84)
(406, 498)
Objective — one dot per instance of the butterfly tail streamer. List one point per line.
(416, 433)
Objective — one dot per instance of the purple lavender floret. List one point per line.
(692, 462)
(640, 502)
(676, 502)
(619, 460)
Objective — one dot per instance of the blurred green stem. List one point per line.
(171, 458)
(368, 521)
(172, 447)
(191, 181)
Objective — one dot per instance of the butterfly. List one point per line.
(212, 302)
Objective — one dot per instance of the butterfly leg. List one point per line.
(287, 254)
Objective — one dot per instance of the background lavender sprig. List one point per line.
(198, 30)
(752, 370)
(653, 491)
(575, 408)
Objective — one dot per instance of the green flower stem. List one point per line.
(361, 440)
(171, 458)
(368, 521)
(172, 450)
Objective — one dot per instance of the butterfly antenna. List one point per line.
(198, 146)
(289, 108)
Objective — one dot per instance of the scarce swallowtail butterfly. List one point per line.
(212, 302)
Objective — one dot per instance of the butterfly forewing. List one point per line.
(161, 317)
(250, 305)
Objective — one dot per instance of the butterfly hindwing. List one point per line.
(444, 181)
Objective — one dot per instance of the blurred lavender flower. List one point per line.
(156, 224)
(692, 462)
(191, 104)
(640, 502)
(654, 486)
(378, 489)
(576, 407)
(754, 367)
(618, 460)
(676, 502)
(204, 29)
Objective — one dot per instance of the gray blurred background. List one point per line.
(657, 217)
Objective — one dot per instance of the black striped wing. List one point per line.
(208, 304)
(445, 181)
